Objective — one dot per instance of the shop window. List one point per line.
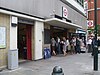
(46, 36)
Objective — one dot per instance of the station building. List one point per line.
(28, 25)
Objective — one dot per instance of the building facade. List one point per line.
(91, 12)
(29, 25)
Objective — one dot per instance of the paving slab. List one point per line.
(77, 64)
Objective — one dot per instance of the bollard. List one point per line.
(1, 70)
(57, 70)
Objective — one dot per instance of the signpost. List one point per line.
(96, 47)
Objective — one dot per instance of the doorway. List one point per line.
(58, 32)
(24, 42)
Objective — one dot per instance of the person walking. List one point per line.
(78, 49)
(94, 43)
(58, 45)
(53, 43)
(98, 44)
(64, 46)
(89, 44)
(82, 46)
(73, 44)
(67, 44)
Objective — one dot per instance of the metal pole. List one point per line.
(96, 47)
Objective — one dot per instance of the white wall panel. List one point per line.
(13, 37)
(38, 40)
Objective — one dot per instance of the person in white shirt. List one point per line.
(89, 43)
(67, 44)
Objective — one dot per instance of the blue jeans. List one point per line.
(78, 49)
(58, 48)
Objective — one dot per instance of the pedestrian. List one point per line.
(58, 49)
(53, 43)
(89, 44)
(64, 46)
(93, 44)
(72, 44)
(82, 46)
(98, 44)
(78, 43)
(67, 45)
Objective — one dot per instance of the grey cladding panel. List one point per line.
(44, 9)
(41, 8)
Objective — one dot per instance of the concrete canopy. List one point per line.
(61, 23)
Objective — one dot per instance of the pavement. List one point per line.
(77, 64)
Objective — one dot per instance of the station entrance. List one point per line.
(59, 32)
(24, 42)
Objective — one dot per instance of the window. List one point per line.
(47, 36)
(81, 2)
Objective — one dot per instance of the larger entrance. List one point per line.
(24, 41)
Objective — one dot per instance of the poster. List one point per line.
(2, 37)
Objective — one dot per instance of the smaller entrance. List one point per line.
(24, 41)
(58, 32)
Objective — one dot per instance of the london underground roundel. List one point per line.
(90, 23)
(65, 12)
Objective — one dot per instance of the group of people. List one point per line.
(91, 42)
(65, 45)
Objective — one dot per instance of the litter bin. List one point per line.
(47, 53)
(13, 59)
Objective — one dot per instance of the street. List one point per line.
(77, 64)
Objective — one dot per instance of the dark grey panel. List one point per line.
(47, 36)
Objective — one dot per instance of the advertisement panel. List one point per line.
(2, 37)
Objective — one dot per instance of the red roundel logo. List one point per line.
(90, 23)
(65, 12)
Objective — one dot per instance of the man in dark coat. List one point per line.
(94, 44)
(98, 44)
(78, 49)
